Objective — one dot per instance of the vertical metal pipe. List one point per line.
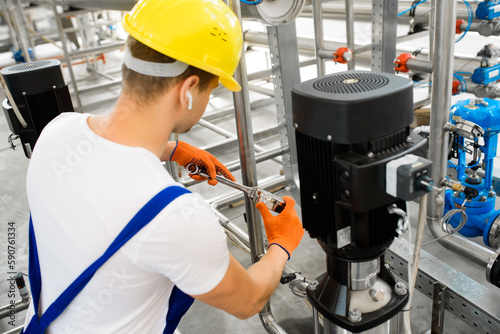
(16, 16)
(8, 20)
(349, 21)
(246, 147)
(442, 76)
(249, 173)
(432, 18)
(66, 53)
(318, 36)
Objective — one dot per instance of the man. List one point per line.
(90, 176)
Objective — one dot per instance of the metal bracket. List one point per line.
(468, 300)
(438, 308)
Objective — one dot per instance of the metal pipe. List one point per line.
(17, 16)
(217, 204)
(491, 91)
(363, 10)
(419, 65)
(228, 134)
(307, 46)
(66, 54)
(15, 330)
(229, 143)
(97, 49)
(249, 173)
(20, 305)
(316, 328)
(318, 36)
(442, 77)
(349, 10)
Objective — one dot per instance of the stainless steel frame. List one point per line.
(384, 23)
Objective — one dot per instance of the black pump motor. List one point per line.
(40, 93)
(349, 125)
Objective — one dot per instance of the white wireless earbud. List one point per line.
(190, 100)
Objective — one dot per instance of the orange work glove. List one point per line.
(185, 154)
(285, 229)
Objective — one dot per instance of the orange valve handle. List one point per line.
(185, 154)
(401, 62)
(284, 230)
(342, 55)
(455, 85)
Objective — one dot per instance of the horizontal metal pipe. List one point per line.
(363, 10)
(19, 305)
(230, 111)
(419, 65)
(306, 46)
(97, 49)
(262, 90)
(237, 196)
(99, 87)
(227, 134)
(465, 247)
(232, 142)
(16, 330)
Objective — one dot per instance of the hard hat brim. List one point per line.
(231, 84)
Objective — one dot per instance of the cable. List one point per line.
(412, 7)
(463, 83)
(256, 2)
(8, 208)
(470, 17)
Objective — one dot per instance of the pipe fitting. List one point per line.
(401, 62)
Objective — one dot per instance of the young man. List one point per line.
(89, 176)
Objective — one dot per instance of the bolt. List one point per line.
(370, 155)
(354, 315)
(295, 125)
(482, 199)
(400, 289)
(329, 137)
(376, 295)
(313, 285)
(315, 196)
(409, 140)
(492, 194)
(456, 194)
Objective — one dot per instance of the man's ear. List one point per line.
(187, 91)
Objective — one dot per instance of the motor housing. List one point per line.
(40, 93)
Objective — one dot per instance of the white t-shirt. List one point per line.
(82, 190)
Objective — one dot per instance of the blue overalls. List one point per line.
(179, 302)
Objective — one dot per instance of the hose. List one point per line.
(416, 257)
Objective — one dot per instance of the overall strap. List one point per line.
(141, 219)
(34, 269)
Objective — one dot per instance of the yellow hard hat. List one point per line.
(203, 33)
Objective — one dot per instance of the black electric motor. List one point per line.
(40, 93)
(349, 125)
